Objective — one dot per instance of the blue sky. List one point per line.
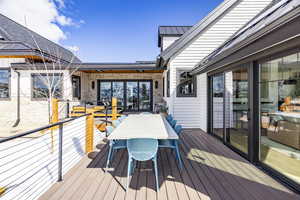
(126, 30)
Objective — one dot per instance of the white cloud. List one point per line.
(41, 16)
(73, 48)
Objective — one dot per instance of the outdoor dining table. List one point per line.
(152, 126)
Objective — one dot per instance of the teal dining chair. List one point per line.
(113, 145)
(116, 123)
(169, 118)
(173, 123)
(141, 150)
(145, 113)
(173, 144)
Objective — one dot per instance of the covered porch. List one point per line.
(210, 171)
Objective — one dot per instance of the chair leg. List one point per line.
(109, 156)
(178, 154)
(129, 172)
(156, 172)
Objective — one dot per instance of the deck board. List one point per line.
(210, 171)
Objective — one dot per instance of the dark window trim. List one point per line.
(194, 94)
(9, 84)
(79, 87)
(168, 83)
(45, 74)
(125, 91)
(163, 87)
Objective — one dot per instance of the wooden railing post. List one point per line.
(89, 137)
(54, 114)
(114, 108)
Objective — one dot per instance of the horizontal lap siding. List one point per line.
(192, 112)
(29, 167)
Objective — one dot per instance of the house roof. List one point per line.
(194, 31)
(254, 30)
(107, 66)
(171, 31)
(15, 33)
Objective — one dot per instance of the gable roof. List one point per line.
(254, 30)
(196, 30)
(12, 32)
(171, 31)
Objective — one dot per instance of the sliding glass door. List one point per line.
(237, 108)
(133, 96)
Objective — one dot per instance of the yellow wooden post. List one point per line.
(54, 119)
(114, 112)
(89, 137)
(2, 191)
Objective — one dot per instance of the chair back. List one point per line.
(178, 129)
(173, 123)
(142, 149)
(169, 118)
(109, 130)
(116, 123)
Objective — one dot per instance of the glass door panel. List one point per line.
(144, 95)
(132, 96)
(118, 92)
(218, 105)
(237, 108)
(105, 91)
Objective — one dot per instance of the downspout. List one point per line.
(18, 101)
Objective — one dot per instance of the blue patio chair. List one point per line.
(173, 123)
(169, 118)
(116, 123)
(122, 118)
(141, 150)
(113, 145)
(173, 144)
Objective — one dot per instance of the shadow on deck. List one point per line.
(211, 171)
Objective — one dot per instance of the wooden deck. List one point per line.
(211, 171)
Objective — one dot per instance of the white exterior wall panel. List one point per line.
(185, 109)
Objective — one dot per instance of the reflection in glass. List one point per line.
(118, 92)
(41, 83)
(280, 115)
(105, 92)
(145, 95)
(4, 83)
(218, 104)
(132, 96)
(236, 115)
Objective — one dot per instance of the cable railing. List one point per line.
(30, 166)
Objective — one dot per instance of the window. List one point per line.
(280, 115)
(168, 83)
(4, 83)
(187, 85)
(76, 86)
(41, 83)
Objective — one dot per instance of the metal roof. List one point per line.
(195, 30)
(15, 32)
(261, 21)
(138, 66)
(171, 31)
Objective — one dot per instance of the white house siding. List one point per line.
(33, 113)
(29, 166)
(200, 47)
(167, 41)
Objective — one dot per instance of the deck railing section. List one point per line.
(31, 162)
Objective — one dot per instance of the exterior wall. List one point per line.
(33, 113)
(199, 48)
(90, 94)
(167, 41)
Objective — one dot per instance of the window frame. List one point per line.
(9, 85)
(194, 82)
(46, 74)
(79, 87)
(168, 83)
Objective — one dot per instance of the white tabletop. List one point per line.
(143, 126)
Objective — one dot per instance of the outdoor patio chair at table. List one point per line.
(113, 145)
(169, 118)
(173, 144)
(141, 150)
(173, 123)
(116, 123)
